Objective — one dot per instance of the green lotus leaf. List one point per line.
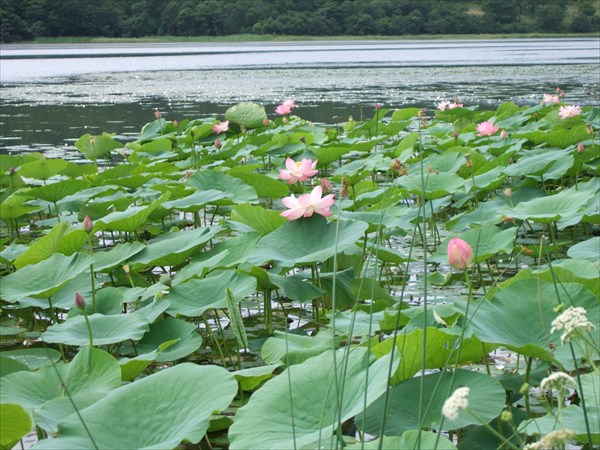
(296, 288)
(318, 405)
(72, 241)
(266, 187)
(307, 240)
(551, 208)
(172, 249)
(33, 358)
(14, 424)
(519, 316)
(130, 220)
(410, 440)
(186, 335)
(436, 184)
(42, 169)
(196, 201)
(43, 247)
(251, 378)
(289, 349)
(118, 255)
(94, 147)
(486, 400)
(12, 252)
(45, 278)
(261, 220)
(14, 207)
(53, 192)
(235, 190)
(194, 297)
(9, 365)
(550, 165)
(88, 377)
(327, 155)
(246, 114)
(74, 170)
(185, 395)
(105, 329)
(589, 249)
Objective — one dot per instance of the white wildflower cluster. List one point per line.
(457, 401)
(572, 320)
(555, 440)
(558, 381)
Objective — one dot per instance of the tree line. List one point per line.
(23, 20)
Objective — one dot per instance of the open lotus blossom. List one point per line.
(549, 98)
(298, 171)
(446, 104)
(460, 254)
(308, 204)
(220, 127)
(283, 109)
(486, 129)
(290, 102)
(569, 111)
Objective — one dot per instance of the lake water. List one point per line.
(52, 94)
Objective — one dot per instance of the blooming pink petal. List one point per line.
(486, 129)
(283, 109)
(566, 112)
(308, 204)
(290, 103)
(220, 128)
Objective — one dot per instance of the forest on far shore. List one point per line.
(23, 20)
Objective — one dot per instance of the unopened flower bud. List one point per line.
(126, 269)
(79, 300)
(157, 114)
(580, 147)
(266, 122)
(175, 123)
(503, 134)
(455, 134)
(218, 144)
(284, 120)
(460, 254)
(87, 224)
(508, 192)
(165, 279)
(378, 106)
(589, 129)
(524, 389)
(11, 171)
(326, 186)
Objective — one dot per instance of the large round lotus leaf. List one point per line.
(33, 358)
(551, 208)
(13, 207)
(14, 424)
(589, 249)
(261, 220)
(436, 184)
(89, 377)
(486, 400)
(93, 147)
(519, 317)
(303, 406)
(410, 440)
(172, 249)
(194, 297)
(307, 240)
(45, 278)
(246, 114)
(42, 248)
(105, 329)
(236, 191)
(156, 412)
(292, 349)
(117, 255)
(186, 335)
(42, 169)
(53, 192)
(129, 220)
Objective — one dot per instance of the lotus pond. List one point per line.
(419, 279)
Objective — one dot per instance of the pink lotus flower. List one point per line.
(569, 111)
(446, 104)
(549, 98)
(290, 103)
(157, 114)
(298, 171)
(283, 109)
(486, 129)
(220, 128)
(580, 147)
(308, 204)
(460, 254)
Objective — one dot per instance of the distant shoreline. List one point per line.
(246, 38)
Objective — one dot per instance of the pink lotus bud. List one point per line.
(460, 254)
(558, 90)
(503, 134)
(87, 224)
(175, 123)
(378, 106)
(126, 269)
(79, 300)
(508, 192)
(326, 186)
(218, 144)
(188, 174)
(266, 122)
(11, 171)
(284, 120)
(157, 114)
(580, 147)
(455, 134)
